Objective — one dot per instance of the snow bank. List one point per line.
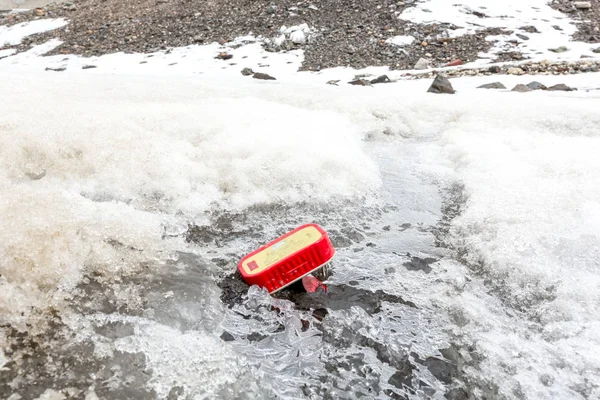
(92, 172)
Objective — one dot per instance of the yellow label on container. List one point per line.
(281, 249)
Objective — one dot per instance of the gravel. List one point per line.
(346, 33)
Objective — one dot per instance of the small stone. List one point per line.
(521, 88)
(596, 50)
(495, 69)
(381, 79)
(529, 29)
(523, 37)
(536, 86)
(36, 176)
(560, 49)
(89, 67)
(333, 82)
(56, 69)
(441, 84)
(247, 72)
(360, 82)
(264, 77)
(454, 63)
(423, 63)
(40, 12)
(494, 85)
(224, 56)
(561, 87)
(582, 5)
(515, 71)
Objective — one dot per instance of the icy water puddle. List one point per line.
(196, 331)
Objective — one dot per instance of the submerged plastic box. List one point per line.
(288, 258)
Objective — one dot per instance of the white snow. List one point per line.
(298, 34)
(7, 52)
(401, 40)
(12, 35)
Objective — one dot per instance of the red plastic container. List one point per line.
(288, 258)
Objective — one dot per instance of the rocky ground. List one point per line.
(588, 12)
(345, 33)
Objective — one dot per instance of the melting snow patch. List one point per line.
(551, 28)
(13, 35)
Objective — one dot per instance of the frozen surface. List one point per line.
(108, 165)
(12, 35)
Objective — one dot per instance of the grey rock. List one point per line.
(494, 85)
(520, 36)
(381, 79)
(536, 86)
(264, 77)
(561, 87)
(89, 66)
(56, 69)
(442, 369)
(596, 50)
(247, 72)
(560, 49)
(521, 88)
(423, 63)
(333, 82)
(529, 29)
(494, 69)
(360, 82)
(441, 84)
(36, 176)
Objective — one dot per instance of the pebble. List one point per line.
(247, 72)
